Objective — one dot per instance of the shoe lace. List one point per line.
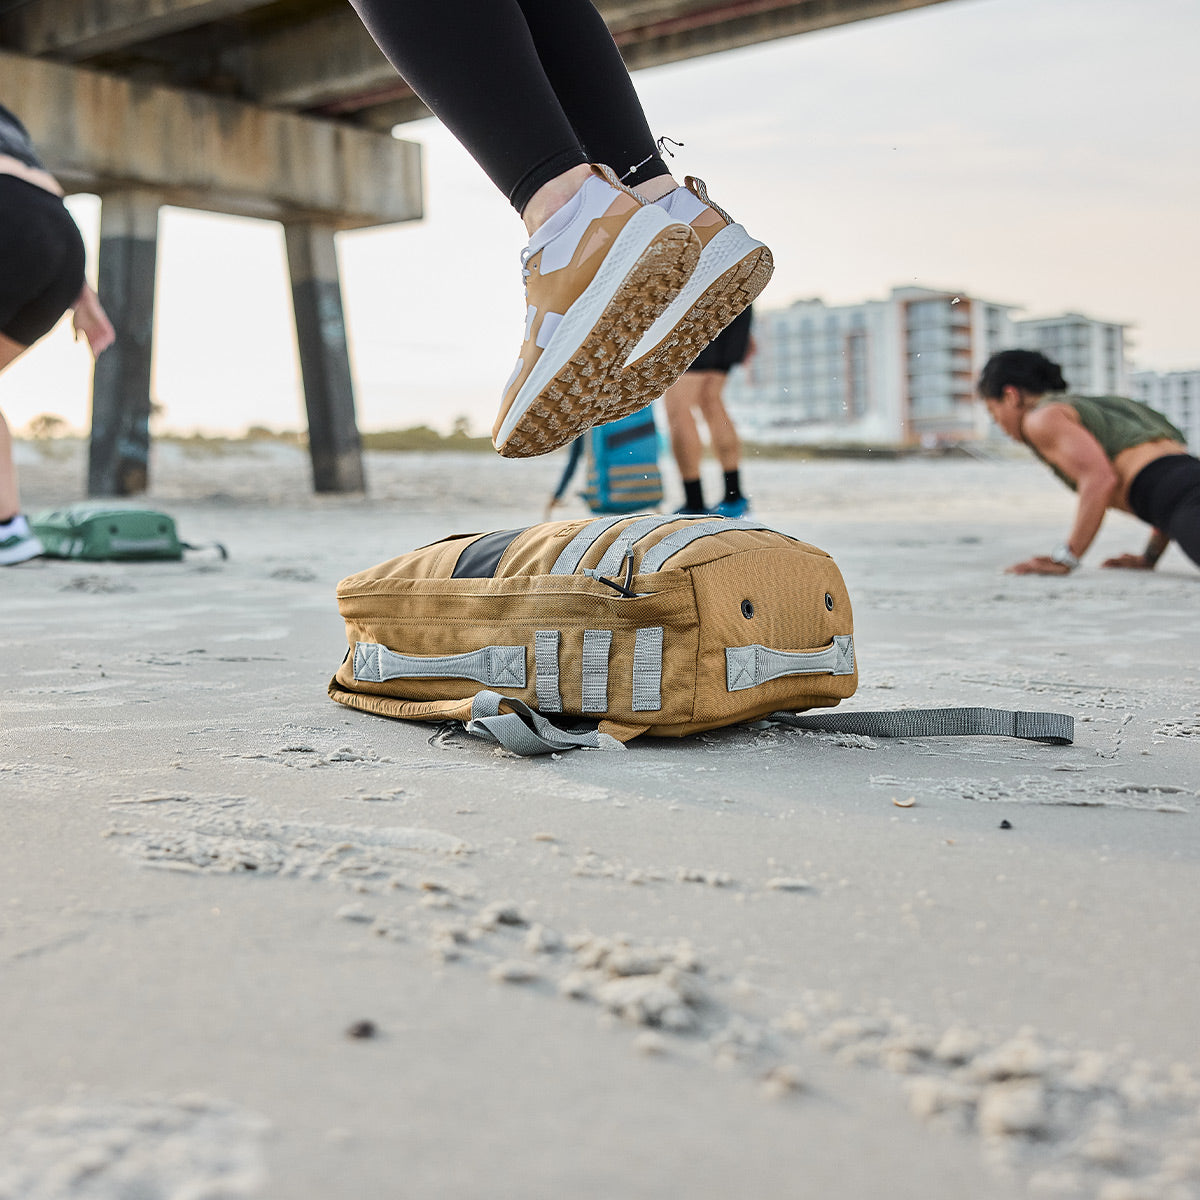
(526, 269)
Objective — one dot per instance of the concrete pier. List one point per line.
(334, 442)
(120, 444)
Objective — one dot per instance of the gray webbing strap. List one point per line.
(623, 543)
(497, 666)
(568, 561)
(596, 645)
(545, 669)
(658, 554)
(647, 670)
(522, 731)
(748, 666)
(1057, 728)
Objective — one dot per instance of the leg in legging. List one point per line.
(479, 67)
(1184, 524)
(600, 102)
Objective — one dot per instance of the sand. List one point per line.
(257, 945)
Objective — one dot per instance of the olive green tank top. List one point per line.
(1116, 422)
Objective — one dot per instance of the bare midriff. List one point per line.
(39, 178)
(1129, 463)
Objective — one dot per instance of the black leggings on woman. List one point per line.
(530, 87)
(1166, 494)
(41, 260)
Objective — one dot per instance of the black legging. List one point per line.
(1166, 494)
(530, 87)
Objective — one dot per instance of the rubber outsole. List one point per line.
(580, 393)
(728, 295)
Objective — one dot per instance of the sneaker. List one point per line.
(732, 508)
(733, 269)
(597, 275)
(17, 542)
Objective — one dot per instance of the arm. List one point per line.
(1148, 558)
(92, 321)
(1062, 441)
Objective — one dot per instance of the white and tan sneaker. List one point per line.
(597, 275)
(733, 269)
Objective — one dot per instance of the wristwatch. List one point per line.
(1063, 556)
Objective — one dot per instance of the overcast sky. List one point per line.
(1039, 154)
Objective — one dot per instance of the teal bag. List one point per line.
(102, 532)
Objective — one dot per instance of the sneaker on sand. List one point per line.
(732, 508)
(733, 269)
(17, 542)
(597, 275)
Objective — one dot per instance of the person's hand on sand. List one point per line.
(1040, 564)
(1129, 562)
(92, 321)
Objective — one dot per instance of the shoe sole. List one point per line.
(714, 295)
(22, 552)
(568, 390)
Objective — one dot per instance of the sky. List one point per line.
(1038, 154)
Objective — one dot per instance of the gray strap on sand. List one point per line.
(658, 554)
(647, 670)
(522, 731)
(545, 669)
(1056, 728)
(596, 645)
(497, 666)
(749, 666)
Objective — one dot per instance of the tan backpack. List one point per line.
(665, 625)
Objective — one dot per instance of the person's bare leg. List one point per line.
(726, 444)
(10, 501)
(680, 400)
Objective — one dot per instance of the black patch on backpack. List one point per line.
(481, 558)
(625, 436)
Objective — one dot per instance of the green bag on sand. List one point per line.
(660, 625)
(99, 532)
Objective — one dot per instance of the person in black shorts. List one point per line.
(628, 276)
(41, 276)
(1113, 452)
(701, 390)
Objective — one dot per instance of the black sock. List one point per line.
(693, 497)
(733, 485)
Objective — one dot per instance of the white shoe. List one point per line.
(597, 275)
(17, 542)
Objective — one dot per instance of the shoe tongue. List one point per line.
(548, 231)
(682, 204)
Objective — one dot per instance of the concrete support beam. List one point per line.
(333, 439)
(101, 133)
(79, 29)
(118, 456)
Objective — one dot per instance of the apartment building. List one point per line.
(1176, 394)
(1090, 352)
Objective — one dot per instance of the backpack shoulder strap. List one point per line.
(1055, 728)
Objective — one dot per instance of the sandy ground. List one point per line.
(730, 965)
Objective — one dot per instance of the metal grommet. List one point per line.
(829, 602)
(747, 609)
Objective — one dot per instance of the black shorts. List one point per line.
(728, 348)
(1166, 494)
(41, 260)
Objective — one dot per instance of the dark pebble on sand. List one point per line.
(362, 1029)
(1006, 824)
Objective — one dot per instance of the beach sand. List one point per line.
(254, 944)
